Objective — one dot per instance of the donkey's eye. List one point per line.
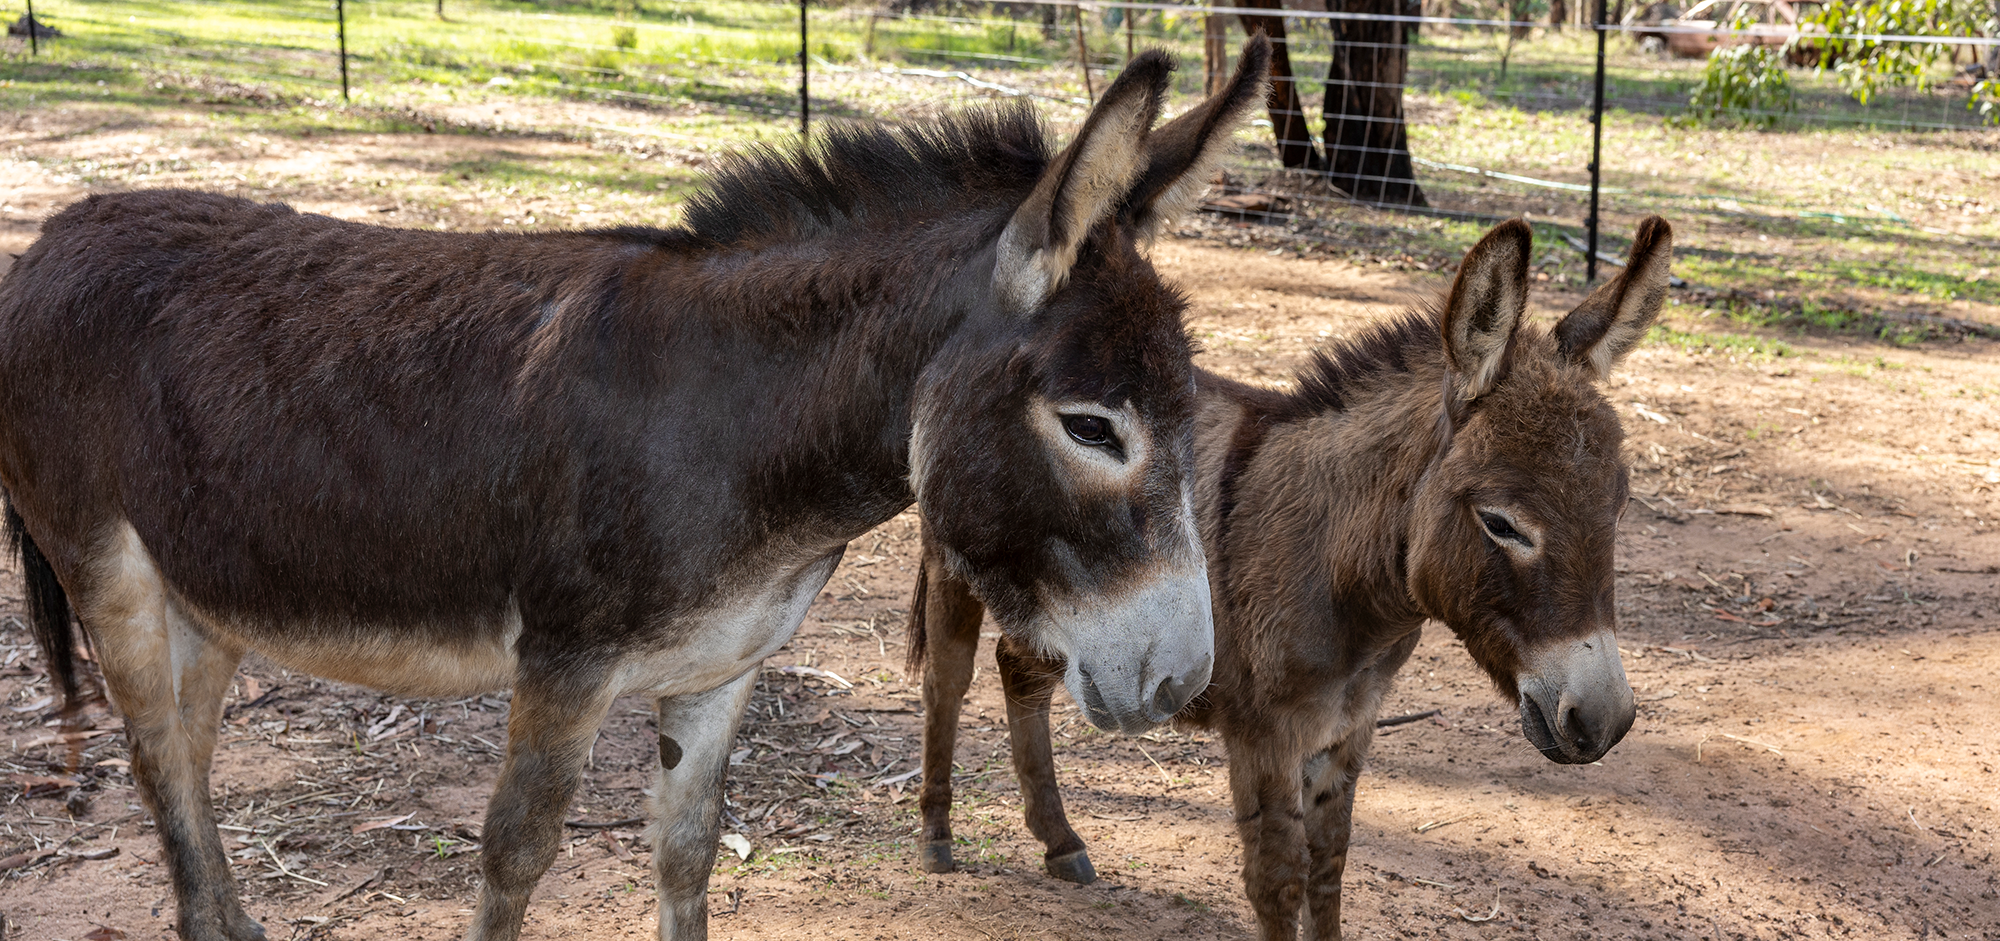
(1498, 527)
(1088, 429)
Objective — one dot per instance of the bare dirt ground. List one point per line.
(1811, 617)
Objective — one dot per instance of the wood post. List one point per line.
(1083, 54)
(1215, 53)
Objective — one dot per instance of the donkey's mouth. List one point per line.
(1575, 703)
(1540, 734)
(1094, 709)
(1580, 736)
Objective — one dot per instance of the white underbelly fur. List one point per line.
(710, 648)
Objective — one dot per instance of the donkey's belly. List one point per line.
(699, 650)
(411, 660)
(479, 658)
(420, 659)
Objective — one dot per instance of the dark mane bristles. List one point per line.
(855, 174)
(1335, 369)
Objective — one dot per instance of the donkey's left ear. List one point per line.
(1183, 153)
(1081, 187)
(1610, 322)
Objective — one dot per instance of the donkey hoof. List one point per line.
(936, 856)
(1072, 867)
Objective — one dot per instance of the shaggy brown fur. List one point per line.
(1450, 465)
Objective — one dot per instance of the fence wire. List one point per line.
(1495, 115)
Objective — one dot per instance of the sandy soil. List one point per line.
(1810, 617)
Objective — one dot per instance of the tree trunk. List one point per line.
(1367, 146)
(1558, 14)
(1215, 53)
(1993, 52)
(1288, 115)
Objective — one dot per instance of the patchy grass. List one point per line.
(1828, 219)
(1714, 342)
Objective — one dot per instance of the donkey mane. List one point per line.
(1400, 345)
(855, 174)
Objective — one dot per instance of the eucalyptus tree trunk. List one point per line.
(1367, 146)
(1214, 54)
(1288, 114)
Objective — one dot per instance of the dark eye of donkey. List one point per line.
(1088, 429)
(1498, 527)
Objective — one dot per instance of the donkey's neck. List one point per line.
(819, 344)
(1334, 476)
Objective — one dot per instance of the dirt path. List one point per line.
(1808, 593)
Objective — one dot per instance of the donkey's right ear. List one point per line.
(1485, 307)
(1184, 153)
(1081, 186)
(1602, 329)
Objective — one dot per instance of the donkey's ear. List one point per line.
(1485, 307)
(1081, 186)
(1605, 327)
(1183, 153)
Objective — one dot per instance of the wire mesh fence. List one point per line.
(1399, 132)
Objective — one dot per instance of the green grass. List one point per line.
(1719, 342)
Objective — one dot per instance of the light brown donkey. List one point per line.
(1455, 465)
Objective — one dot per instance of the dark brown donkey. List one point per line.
(590, 464)
(1455, 465)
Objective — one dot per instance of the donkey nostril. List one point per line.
(1172, 693)
(1576, 728)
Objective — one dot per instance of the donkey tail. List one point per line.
(48, 609)
(919, 602)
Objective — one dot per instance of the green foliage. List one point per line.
(625, 37)
(1866, 65)
(1742, 83)
(1745, 83)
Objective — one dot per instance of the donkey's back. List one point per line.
(246, 398)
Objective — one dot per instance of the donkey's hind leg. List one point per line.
(951, 625)
(168, 680)
(1029, 681)
(696, 732)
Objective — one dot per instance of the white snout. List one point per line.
(1136, 658)
(1575, 701)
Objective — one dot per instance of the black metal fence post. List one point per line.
(805, 73)
(34, 47)
(340, 11)
(1596, 151)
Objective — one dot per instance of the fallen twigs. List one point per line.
(1428, 827)
(1405, 720)
(1489, 916)
(625, 824)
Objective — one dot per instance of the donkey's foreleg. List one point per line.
(168, 678)
(1264, 787)
(951, 621)
(1029, 681)
(1329, 779)
(695, 734)
(549, 733)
